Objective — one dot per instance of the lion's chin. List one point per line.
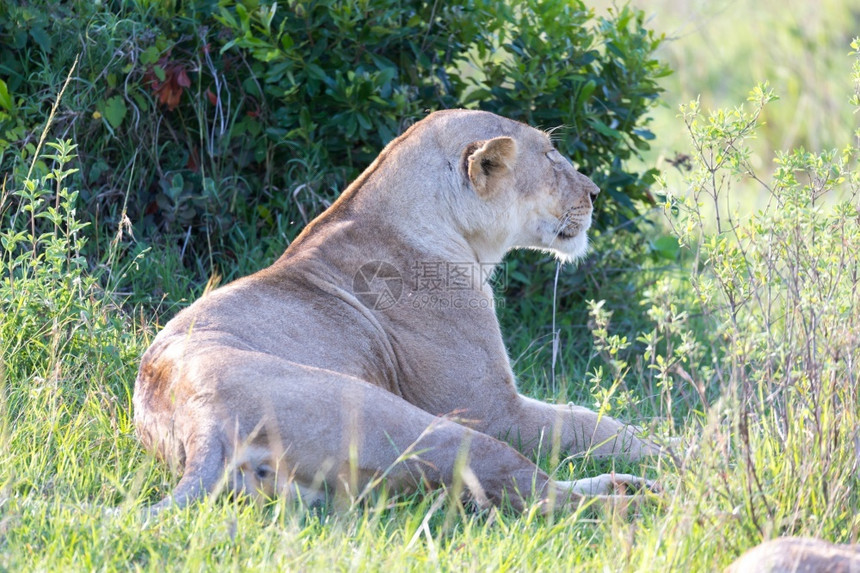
(569, 249)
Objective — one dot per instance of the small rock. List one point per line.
(798, 555)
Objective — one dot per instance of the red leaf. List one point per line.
(182, 78)
(169, 95)
(169, 91)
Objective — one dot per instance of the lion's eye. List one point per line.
(555, 158)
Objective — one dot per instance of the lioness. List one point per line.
(335, 366)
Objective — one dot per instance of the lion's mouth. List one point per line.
(570, 228)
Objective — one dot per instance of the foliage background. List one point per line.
(218, 129)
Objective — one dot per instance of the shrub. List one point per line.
(67, 353)
(779, 290)
(57, 319)
(222, 127)
(344, 79)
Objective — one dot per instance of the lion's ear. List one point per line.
(488, 160)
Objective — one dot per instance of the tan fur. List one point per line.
(289, 381)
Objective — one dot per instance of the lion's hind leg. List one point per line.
(220, 465)
(611, 492)
(319, 430)
(298, 431)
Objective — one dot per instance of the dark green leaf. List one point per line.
(115, 111)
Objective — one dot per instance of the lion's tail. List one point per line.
(204, 472)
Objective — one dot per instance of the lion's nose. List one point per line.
(588, 185)
(593, 190)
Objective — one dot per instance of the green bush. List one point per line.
(221, 127)
(345, 79)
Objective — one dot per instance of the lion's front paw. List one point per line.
(612, 484)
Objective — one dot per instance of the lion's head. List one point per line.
(555, 200)
(508, 187)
